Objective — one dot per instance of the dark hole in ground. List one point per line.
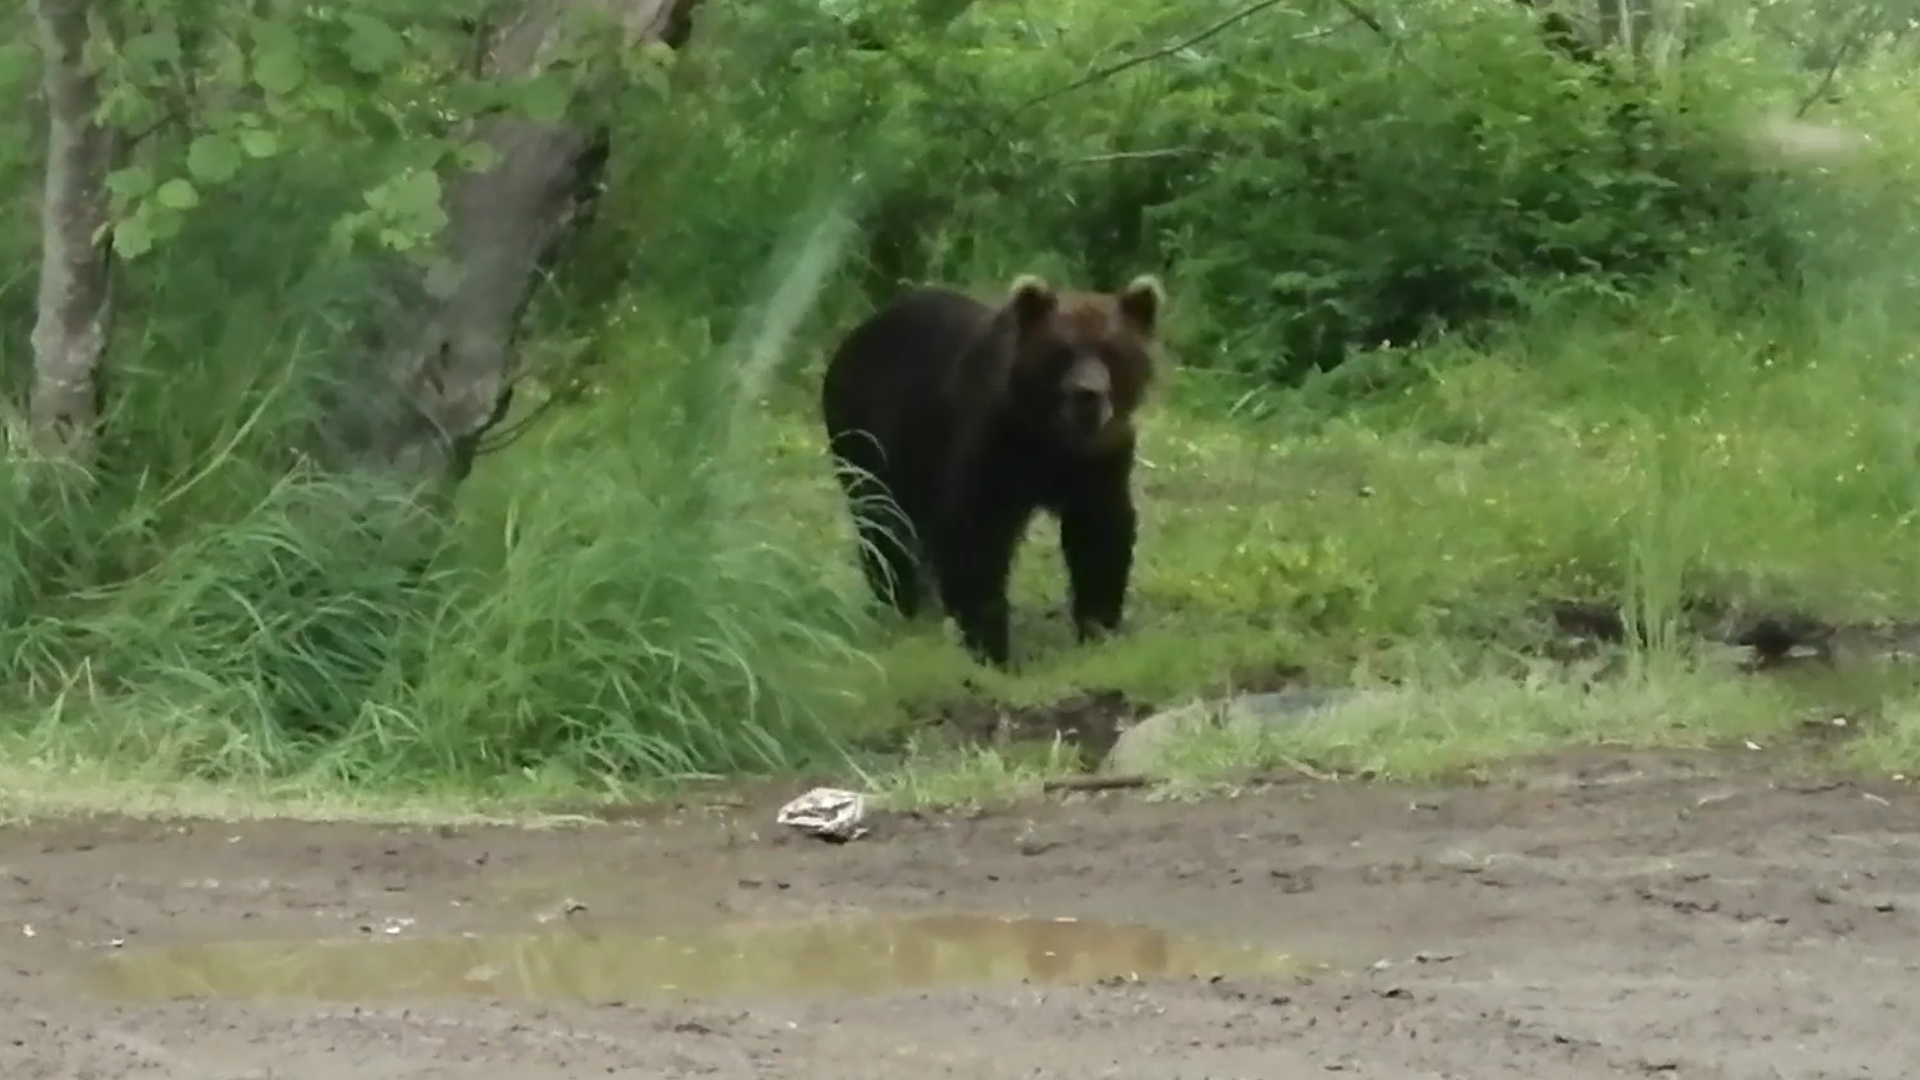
(1772, 635)
(1775, 637)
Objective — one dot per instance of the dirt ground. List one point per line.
(1696, 917)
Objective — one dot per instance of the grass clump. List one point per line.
(583, 630)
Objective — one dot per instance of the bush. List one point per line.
(1323, 186)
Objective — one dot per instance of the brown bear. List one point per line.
(951, 421)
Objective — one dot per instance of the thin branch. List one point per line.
(1187, 42)
(174, 114)
(496, 440)
(1869, 24)
(1368, 19)
(1137, 155)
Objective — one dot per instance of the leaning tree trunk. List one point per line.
(439, 376)
(75, 301)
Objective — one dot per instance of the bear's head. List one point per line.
(1081, 362)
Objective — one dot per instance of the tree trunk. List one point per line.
(438, 376)
(75, 302)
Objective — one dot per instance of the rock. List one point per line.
(1140, 747)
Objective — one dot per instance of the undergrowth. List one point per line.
(673, 614)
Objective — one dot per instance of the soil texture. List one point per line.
(1607, 915)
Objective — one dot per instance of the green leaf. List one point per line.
(132, 238)
(163, 221)
(329, 100)
(413, 202)
(225, 63)
(342, 233)
(372, 46)
(259, 142)
(177, 194)
(653, 77)
(278, 70)
(213, 158)
(546, 96)
(273, 35)
(19, 63)
(651, 64)
(398, 239)
(130, 182)
(153, 49)
(477, 156)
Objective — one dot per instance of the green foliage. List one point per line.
(393, 82)
(1323, 185)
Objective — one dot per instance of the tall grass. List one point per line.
(611, 606)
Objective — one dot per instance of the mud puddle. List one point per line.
(839, 958)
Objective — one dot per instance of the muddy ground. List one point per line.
(1696, 917)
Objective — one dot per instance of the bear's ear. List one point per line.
(1141, 301)
(1031, 299)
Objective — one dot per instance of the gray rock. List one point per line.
(1141, 747)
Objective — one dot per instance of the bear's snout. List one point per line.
(1087, 397)
(1088, 409)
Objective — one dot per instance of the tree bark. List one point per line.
(438, 376)
(76, 297)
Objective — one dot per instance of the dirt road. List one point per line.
(1699, 917)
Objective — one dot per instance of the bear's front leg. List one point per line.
(1097, 532)
(976, 563)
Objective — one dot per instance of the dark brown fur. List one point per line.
(971, 417)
